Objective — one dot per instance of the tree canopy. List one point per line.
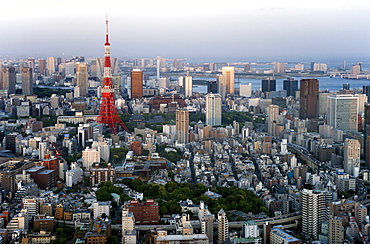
(168, 196)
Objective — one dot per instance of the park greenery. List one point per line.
(194, 118)
(46, 92)
(168, 196)
(106, 189)
(171, 156)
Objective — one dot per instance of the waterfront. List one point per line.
(325, 83)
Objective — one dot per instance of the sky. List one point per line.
(236, 29)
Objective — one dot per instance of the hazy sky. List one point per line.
(191, 28)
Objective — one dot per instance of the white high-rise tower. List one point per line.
(213, 109)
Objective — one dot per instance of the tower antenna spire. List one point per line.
(108, 113)
(106, 30)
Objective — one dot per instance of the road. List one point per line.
(284, 219)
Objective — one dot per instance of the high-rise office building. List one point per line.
(351, 156)
(212, 87)
(366, 90)
(223, 226)
(93, 68)
(245, 90)
(320, 67)
(228, 74)
(213, 109)
(188, 86)
(42, 66)
(346, 86)
(82, 77)
(367, 135)
(291, 86)
(309, 96)
(247, 67)
(222, 89)
(89, 157)
(356, 69)
(272, 113)
(182, 126)
(362, 100)
(31, 63)
(279, 68)
(51, 65)
(8, 80)
(268, 85)
(313, 211)
(136, 84)
(343, 112)
(336, 230)
(27, 81)
(158, 67)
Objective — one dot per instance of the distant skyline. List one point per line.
(235, 29)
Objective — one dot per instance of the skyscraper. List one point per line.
(343, 112)
(313, 211)
(268, 85)
(8, 80)
(279, 68)
(51, 65)
(42, 66)
(27, 81)
(367, 135)
(136, 84)
(182, 126)
(223, 226)
(309, 96)
(228, 74)
(158, 67)
(82, 78)
(366, 90)
(245, 90)
(291, 86)
(222, 89)
(188, 86)
(213, 109)
(351, 157)
(212, 87)
(272, 113)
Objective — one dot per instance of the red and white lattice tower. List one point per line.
(108, 111)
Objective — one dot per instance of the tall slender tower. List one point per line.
(182, 126)
(82, 78)
(136, 84)
(108, 111)
(309, 96)
(213, 109)
(223, 226)
(27, 82)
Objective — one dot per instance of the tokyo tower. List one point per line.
(108, 111)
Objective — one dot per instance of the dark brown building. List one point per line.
(43, 222)
(44, 178)
(98, 175)
(309, 97)
(145, 213)
(136, 84)
(156, 102)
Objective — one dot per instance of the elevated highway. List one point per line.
(280, 220)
